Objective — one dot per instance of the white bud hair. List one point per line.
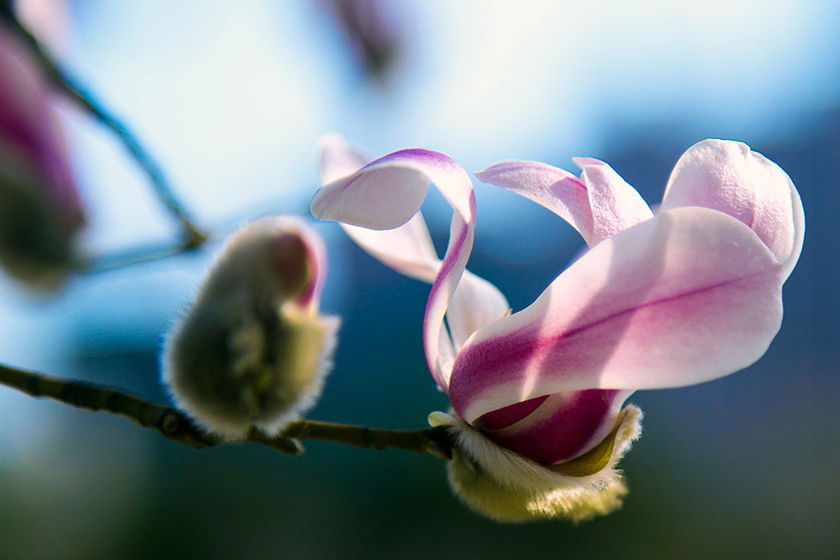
(252, 351)
(508, 487)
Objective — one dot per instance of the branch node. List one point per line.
(170, 423)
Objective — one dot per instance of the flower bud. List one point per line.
(253, 350)
(40, 208)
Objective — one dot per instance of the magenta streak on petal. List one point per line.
(424, 164)
(504, 417)
(452, 268)
(417, 153)
(498, 362)
(27, 122)
(388, 205)
(576, 422)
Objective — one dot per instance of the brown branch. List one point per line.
(435, 441)
(166, 420)
(175, 426)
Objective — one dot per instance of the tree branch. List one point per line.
(68, 87)
(137, 255)
(173, 425)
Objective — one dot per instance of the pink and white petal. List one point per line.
(563, 425)
(382, 195)
(729, 177)
(550, 187)
(337, 159)
(408, 249)
(475, 304)
(386, 194)
(461, 238)
(615, 204)
(444, 359)
(689, 296)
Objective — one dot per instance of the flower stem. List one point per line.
(68, 87)
(173, 425)
(134, 256)
(435, 441)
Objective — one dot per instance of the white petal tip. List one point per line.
(582, 162)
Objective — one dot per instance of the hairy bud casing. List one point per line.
(253, 350)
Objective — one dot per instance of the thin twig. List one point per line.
(173, 425)
(70, 88)
(134, 256)
(151, 252)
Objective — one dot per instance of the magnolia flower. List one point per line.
(688, 295)
(253, 350)
(40, 208)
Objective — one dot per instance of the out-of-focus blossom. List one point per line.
(49, 20)
(688, 295)
(253, 350)
(40, 208)
(370, 30)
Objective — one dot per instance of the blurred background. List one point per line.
(232, 99)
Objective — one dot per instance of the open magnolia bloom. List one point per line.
(688, 295)
(253, 350)
(40, 208)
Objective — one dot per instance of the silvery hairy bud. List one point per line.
(253, 350)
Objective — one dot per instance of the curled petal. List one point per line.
(386, 194)
(729, 177)
(598, 205)
(505, 486)
(689, 296)
(615, 205)
(409, 250)
(550, 187)
(337, 159)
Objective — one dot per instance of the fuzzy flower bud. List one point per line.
(253, 350)
(40, 208)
